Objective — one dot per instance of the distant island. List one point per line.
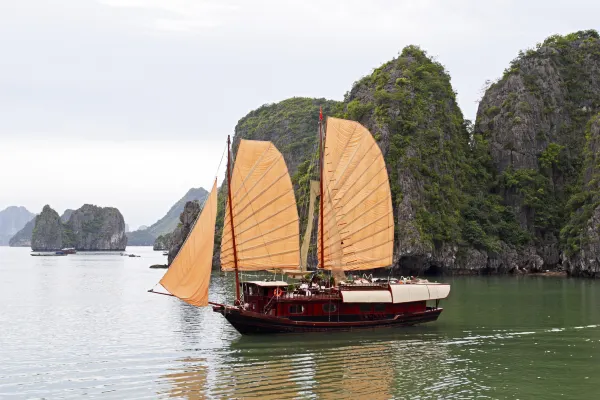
(147, 236)
(12, 220)
(89, 228)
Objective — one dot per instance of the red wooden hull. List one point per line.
(249, 322)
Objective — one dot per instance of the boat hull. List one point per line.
(251, 323)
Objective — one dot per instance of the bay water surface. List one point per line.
(84, 326)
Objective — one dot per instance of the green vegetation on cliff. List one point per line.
(584, 203)
(409, 106)
(534, 119)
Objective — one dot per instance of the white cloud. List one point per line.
(180, 15)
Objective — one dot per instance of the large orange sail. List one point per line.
(188, 277)
(358, 228)
(265, 217)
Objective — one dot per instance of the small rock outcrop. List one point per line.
(186, 219)
(48, 231)
(96, 228)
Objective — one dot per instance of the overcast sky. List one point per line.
(128, 103)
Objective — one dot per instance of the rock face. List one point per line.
(96, 228)
(12, 220)
(410, 108)
(581, 236)
(48, 231)
(190, 212)
(163, 242)
(145, 236)
(533, 121)
(23, 237)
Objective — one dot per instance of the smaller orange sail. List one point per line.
(265, 216)
(188, 276)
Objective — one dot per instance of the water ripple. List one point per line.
(86, 327)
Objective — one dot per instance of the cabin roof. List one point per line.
(268, 283)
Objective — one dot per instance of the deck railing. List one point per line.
(308, 297)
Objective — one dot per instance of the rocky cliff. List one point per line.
(581, 235)
(533, 121)
(409, 106)
(186, 221)
(96, 228)
(48, 231)
(12, 220)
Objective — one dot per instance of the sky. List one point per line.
(128, 103)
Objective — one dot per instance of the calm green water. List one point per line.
(84, 326)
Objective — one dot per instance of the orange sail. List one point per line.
(358, 227)
(188, 276)
(265, 217)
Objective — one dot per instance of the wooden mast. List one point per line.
(321, 151)
(235, 260)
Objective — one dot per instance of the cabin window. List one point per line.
(379, 307)
(365, 307)
(329, 307)
(295, 309)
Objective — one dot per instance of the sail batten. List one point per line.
(188, 276)
(240, 202)
(257, 162)
(358, 232)
(264, 212)
(263, 206)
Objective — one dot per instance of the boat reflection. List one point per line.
(374, 365)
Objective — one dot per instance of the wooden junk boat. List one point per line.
(261, 232)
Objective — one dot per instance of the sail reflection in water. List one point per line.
(190, 382)
(373, 366)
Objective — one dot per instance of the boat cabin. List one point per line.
(343, 303)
